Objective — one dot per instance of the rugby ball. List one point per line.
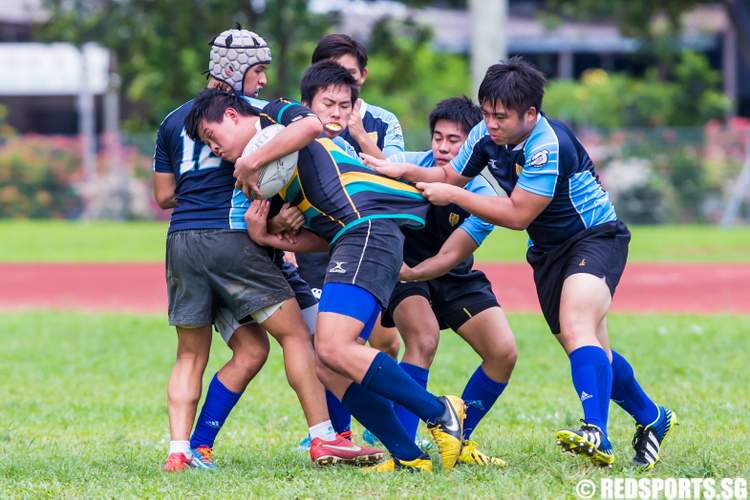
(276, 174)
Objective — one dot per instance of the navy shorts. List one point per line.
(601, 251)
(312, 267)
(368, 255)
(305, 296)
(455, 297)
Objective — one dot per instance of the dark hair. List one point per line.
(458, 110)
(515, 83)
(322, 75)
(337, 45)
(210, 105)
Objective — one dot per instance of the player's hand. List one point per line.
(384, 167)
(256, 218)
(438, 193)
(288, 220)
(291, 257)
(355, 125)
(247, 172)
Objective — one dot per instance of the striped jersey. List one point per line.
(551, 162)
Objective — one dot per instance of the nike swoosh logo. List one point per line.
(353, 447)
(453, 425)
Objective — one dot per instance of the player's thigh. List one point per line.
(191, 299)
(584, 302)
(490, 335)
(416, 321)
(283, 320)
(250, 342)
(193, 343)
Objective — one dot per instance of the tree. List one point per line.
(161, 47)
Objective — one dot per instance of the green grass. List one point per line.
(55, 241)
(83, 413)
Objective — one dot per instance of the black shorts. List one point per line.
(601, 251)
(306, 297)
(210, 268)
(455, 297)
(312, 267)
(368, 255)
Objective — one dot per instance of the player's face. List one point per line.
(255, 79)
(333, 105)
(227, 138)
(447, 139)
(349, 62)
(505, 125)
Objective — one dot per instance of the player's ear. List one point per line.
(364, 75)
(231, 114)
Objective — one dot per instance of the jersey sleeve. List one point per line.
(344, 144)
(394, 135)
(473, 225)
(541, 166)
(471, 159)
(285, 111)
(162, 160)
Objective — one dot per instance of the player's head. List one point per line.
(511, 98)
(344, 50)
(238, 61)
(219, 120)
(330, 91)
(450, 124)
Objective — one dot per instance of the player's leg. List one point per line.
(420, 330)
(488, 332)
(184, 392)
(653, 423)
(386, 340)
(249, 345)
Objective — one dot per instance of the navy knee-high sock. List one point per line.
(341, 419)
(388, 379)
(377, 415)
(216, 408)
(592, 379)
(627, 393)
(480, 394)
(409, 420)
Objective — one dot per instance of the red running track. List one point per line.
(140, 287)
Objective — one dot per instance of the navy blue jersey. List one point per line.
(206, 198)
(383, 128)
(552, 163)
(442, 221)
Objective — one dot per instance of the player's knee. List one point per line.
(328, 351)
(422, 345)
(249, 362)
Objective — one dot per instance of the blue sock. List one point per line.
(377, 415)
(409, 420)
(216, 408)
(341, 419)
(592, 379)
(388, 379)
(480, 394)
(627, 393)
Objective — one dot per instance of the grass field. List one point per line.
(83, 413)
(144, 241)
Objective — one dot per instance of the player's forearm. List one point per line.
(366, 145)
(164, 190)
(294, 137)
(415, 173)
(305, 241)
(457, 248)
(495, 210)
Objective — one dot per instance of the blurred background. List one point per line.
(657, 91)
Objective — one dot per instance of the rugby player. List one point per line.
(577, 246)
(439, 288)
(216, 275)
(359, 214)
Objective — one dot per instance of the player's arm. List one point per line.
(357, 131)
(165, 183)
(459, 246)
(531, 195)
(288, 220)
(256, 219)
(302, 127)
(164, 190)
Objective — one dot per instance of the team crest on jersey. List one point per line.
(518, 169)
(539, 159)
(453, 218)
(373, 136)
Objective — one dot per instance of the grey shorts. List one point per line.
(208, 269)
(370, 256)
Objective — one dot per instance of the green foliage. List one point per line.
(84, 413)
(408, 77)
(161, 47)
(610, 101)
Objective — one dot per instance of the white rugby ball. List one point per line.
(276, 174)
